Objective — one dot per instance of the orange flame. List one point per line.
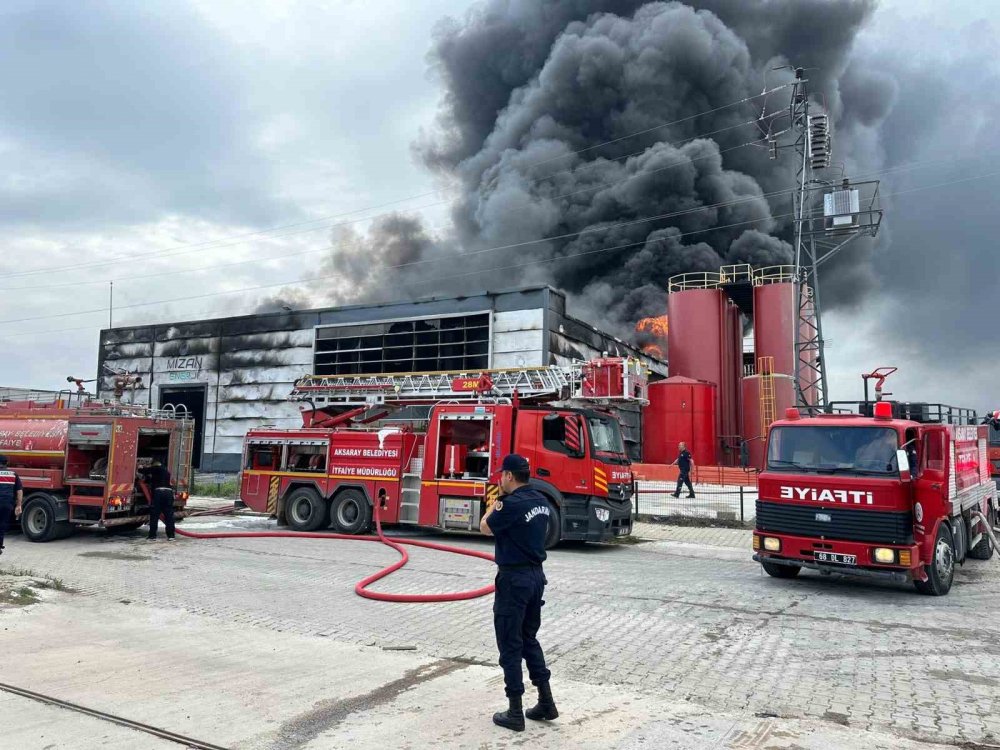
(658, 328)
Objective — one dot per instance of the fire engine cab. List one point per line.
(903, 494)
(357, 448)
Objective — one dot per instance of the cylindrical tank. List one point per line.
(774, 316)
(680, 410)
(705, 342)
(753, 416)
(34, 443)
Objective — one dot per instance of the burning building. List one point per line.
(235, 373)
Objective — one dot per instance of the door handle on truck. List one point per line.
(543, 472)
(935, 486)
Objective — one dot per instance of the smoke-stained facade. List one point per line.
(236, 373)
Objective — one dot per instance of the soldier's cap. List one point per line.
(515, 463)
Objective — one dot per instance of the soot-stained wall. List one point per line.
(246, 365)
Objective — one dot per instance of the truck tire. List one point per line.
(306, 510)
(351, 513)
(984, 550)
(553, 533)
(38, 519)
(780, 571)
(941, 570)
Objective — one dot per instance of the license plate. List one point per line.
(836, 557)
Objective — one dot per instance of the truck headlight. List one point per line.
(603, 514)
(772, 544)
(885, 556)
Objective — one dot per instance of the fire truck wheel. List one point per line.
(38, 519)
(984, 550)
(306, 510)
(352, 514)
(553, 534)
(780, 571)
(941, 571)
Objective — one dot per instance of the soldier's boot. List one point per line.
(545, 709)
(513, 717)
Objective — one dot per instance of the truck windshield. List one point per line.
(605, 435)
(834, 450)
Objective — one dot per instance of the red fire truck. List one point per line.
(357, 448)
(904, 494)
(77, 459)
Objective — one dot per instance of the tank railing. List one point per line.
(774, 275)
(694, 280)
(736, 273)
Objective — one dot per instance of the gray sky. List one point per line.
(153, 139)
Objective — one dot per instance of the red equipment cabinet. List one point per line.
(680, 410)
(446, 477)
(78, 458)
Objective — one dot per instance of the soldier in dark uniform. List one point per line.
(11, 497)
(157, 478)
(519, 521)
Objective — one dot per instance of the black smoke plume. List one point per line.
(541, 101)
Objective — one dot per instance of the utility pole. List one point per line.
(828, 215)
(111, 304)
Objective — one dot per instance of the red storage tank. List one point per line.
(705, 342)
(774, 317)
(680, 410)
(35, 443)
(753, 433)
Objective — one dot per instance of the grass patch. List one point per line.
(228, 489)
(19, 597)
(39, 581)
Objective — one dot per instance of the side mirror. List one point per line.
(903, 462)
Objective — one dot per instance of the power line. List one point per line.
(168, 252)
(589, 188)
(522, 264)
(501, 247)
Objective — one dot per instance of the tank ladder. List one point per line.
(765, 368)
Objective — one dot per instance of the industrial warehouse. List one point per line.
(234, 374)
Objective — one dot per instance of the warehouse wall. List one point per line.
(247, 365)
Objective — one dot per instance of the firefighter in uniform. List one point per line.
(11, 497)
(157, 478)
(519, 521)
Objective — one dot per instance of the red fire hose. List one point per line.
(361, 589)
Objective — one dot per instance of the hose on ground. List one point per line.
(361, 589)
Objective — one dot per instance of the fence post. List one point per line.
(742, 520)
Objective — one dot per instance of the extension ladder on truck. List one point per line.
(617, 379)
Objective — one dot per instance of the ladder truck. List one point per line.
(78, 459)
(357, 448)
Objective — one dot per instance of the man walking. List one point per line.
(11, 497)
(684, 464)
(519, 521)
(157, 478)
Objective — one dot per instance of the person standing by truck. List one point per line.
(519, 521)
(157, 478)
(684, 463)
(11, 497)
